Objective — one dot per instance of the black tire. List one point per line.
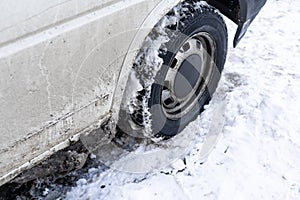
(194, 23)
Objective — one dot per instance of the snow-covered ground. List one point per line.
(258, 152)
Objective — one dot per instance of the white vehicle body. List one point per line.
(63, 69)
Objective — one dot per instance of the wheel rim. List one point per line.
(188, 75)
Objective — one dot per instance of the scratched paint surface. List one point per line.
(48, 74)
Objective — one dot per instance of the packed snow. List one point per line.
(258, 152)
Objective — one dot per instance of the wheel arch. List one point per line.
(160, 10)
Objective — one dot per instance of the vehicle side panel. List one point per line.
(20, 18)
(58, 81)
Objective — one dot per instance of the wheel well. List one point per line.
(230, 8)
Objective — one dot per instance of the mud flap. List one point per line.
(241, 30)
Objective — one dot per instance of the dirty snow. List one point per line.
(258, 153)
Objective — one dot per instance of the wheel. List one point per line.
(192, 62)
